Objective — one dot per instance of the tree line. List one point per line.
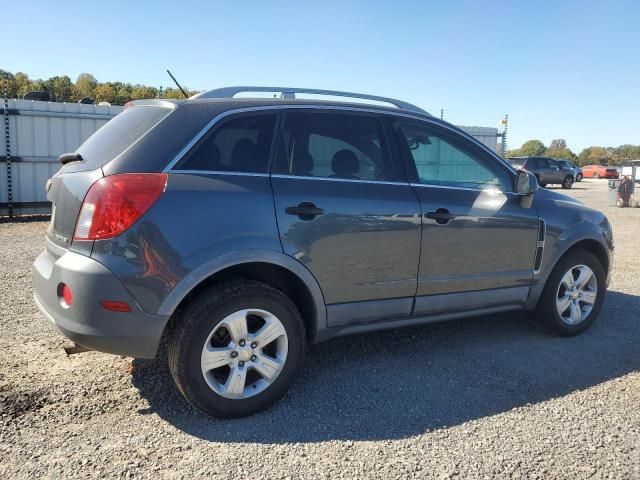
(119, 93)
(593, 155)
(85, 86)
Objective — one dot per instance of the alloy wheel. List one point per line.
(576, 294)
(244, 353)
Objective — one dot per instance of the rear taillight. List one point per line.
(114, 203)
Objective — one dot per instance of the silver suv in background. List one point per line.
(546, 170)
(576, 170)
(234, 232)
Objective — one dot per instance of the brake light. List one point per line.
(114, 203)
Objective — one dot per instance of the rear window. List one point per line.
(117, 135)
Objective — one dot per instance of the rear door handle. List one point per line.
(305, 210)
(442, 216)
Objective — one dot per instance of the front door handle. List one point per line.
(305, 210)
(442, 216)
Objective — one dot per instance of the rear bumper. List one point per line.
(86, 322)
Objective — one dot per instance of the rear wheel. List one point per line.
(579, 177)
(567, 182)
(573, 295)
(238, 348)
(596, 175)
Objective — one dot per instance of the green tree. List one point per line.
(532, 148)
(557, 144)
(622, 154)
(515, 152)
(141, 92)
(593, 156)
(559, 149)
(105, 93)
(86, 84)
(62, 87)
(173, 93)
(22, 84)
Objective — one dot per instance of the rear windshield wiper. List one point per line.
(69, 157)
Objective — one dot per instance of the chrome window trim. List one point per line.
(351, 180)
(372, 109)
(220, 172)
(455, 187)
(284, 176)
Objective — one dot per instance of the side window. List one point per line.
(240, 144)
(334, 145)
(439, 161)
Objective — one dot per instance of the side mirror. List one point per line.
(526, 186)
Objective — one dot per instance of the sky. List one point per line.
(559, 69)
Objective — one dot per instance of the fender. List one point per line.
(555, 252)
(194, 278)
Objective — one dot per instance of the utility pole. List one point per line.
(503, 144)
(7, 144)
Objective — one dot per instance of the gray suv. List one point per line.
(234, 232)
(547, 170)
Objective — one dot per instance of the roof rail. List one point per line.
(286, 92)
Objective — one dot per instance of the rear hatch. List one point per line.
(70, 184)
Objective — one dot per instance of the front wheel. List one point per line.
(567, 182)
(237, 348)
(579, 177)
(574, 293)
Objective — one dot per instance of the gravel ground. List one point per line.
(489, 397)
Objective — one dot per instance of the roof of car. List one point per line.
(234, 103)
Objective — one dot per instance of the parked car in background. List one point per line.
(577, 171)
(241, 230)
(547, 170)
(600, 171)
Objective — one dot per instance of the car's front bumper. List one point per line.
(86, 322)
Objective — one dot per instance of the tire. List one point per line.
(541, 185)
(203, 325)
(567, 182)
(596, 175)
(554, 288)
(579, 177)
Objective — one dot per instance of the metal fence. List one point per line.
(487, 135)
(35, 134)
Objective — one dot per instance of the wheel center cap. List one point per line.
(245, 354)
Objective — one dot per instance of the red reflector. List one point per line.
(116, 202)
(115, 306)
(66, 294)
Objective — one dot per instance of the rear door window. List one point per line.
(117, 135)
(239, 144)
(335, 145)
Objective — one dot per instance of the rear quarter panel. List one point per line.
(199, 217)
